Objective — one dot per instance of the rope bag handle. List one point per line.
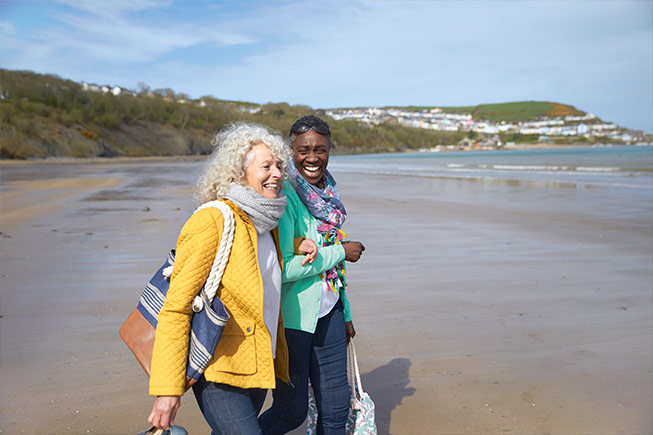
(220, 261)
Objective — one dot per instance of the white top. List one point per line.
(271, 274)
(329, 299)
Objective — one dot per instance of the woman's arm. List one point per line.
(196, 248)
(327, 256)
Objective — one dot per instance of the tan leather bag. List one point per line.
(138, 334)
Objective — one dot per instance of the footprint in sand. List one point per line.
(529, 396)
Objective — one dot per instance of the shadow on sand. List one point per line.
(387, 386)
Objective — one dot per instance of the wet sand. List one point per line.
(479, 308)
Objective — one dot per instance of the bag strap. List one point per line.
(220, 262)
(357, 390)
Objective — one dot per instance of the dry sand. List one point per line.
(475, 314)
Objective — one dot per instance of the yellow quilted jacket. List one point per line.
(243, 357)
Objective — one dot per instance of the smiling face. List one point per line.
(264, 172)
(311, 155)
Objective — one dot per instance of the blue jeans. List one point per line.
(322, 357)
(229, 410)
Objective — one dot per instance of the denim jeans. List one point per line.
(229, 410)
(322, 357)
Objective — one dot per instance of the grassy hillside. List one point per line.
(510, 112)
(523, 111)
(45, 116)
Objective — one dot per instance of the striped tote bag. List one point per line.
(209, 313)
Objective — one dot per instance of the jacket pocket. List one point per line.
(236, 351)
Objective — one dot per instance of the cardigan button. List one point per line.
(249, 329)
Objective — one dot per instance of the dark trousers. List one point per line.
(322, 358)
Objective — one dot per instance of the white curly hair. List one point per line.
(231, 157)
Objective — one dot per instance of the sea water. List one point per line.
(612, 186)
(629, 167)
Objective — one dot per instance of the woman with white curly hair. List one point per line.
(245, 170)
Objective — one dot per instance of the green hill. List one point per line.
(509, 112)
(44, 116)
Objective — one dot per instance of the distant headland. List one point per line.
(45, 116)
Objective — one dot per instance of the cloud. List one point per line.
(114, 7)
(112, 34)
(7, 28)
(116, 39)
(434, 52)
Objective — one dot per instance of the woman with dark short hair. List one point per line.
(314, 303)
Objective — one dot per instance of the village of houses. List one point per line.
(488, 132)
(436, 119)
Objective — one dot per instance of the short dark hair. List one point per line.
(309, 122)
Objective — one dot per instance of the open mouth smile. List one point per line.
(271, 186)
(312, 170)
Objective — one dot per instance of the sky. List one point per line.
(594, 55)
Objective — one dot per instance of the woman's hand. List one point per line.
(164, 411)
(351, 332)
(353, 250)
(309, 248)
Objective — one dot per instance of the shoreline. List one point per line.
(195, 158)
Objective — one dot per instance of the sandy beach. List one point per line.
(480, 309)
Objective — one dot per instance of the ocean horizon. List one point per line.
(629, 167)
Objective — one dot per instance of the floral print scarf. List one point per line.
(325, 206)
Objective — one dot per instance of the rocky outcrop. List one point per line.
(46, 139)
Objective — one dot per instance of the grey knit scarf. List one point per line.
(264, 212)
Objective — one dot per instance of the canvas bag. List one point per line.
(209, 314)
(361, 419)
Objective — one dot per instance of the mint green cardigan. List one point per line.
(301, 288)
